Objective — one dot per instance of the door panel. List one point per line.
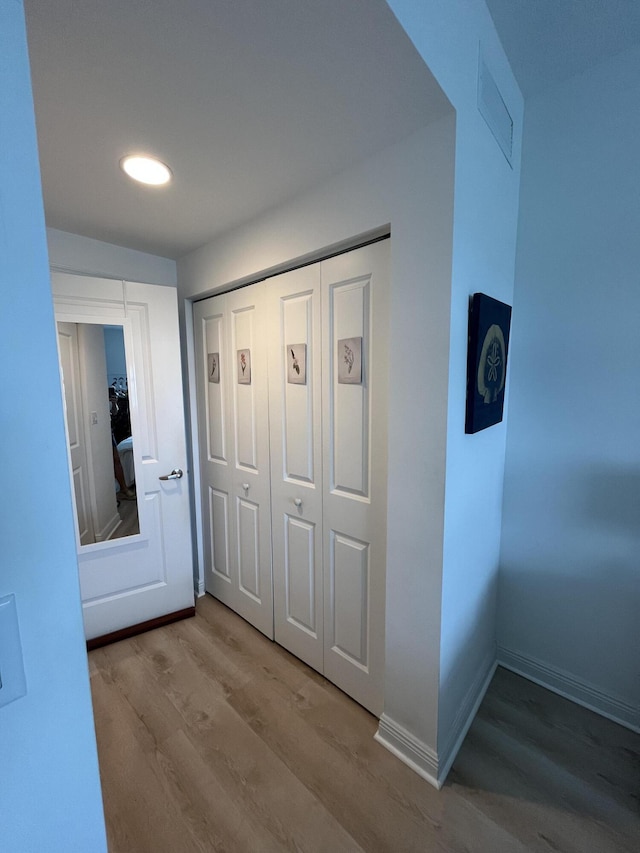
(249, 548)
(137, 578)
(215, 429)
(349, 580)
(296, 461)
(349, 405)
(355, 305)
(300, 572)
(213, 378)
(233, 419)
(219, 533)
(243, 338)
(250, 483)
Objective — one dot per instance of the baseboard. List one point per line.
(435, 766)
(570, 687)
(140, 628)
(200, 590)
(409, 749)
(466, 715)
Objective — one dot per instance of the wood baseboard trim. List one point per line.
(140, 628)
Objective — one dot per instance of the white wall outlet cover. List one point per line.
(13, 684)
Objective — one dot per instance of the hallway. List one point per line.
(213, 738)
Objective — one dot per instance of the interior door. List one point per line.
(295, 404)
(235, 468)
(148, 575)
(355, 289)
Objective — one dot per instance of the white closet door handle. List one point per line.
(298, 501)
(245, 486)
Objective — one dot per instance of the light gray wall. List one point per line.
(570, 564)
(449, 36)
(73, 253)
(49, 785)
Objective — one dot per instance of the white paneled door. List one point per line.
(295, 400)
(148, 575)
(355, 297)
(234, 435)
(294, 463)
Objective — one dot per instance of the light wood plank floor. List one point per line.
(212, 738)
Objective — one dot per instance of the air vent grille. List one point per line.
(494, 110)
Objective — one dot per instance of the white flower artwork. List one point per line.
(297, 364)
(213, 366)
(350, 361)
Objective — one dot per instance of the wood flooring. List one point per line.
(212, 738)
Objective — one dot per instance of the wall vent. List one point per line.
(494, 110)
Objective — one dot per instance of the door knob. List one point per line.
(174, 475)
(245, 486)
(298, 501)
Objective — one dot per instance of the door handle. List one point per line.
(174, 475)
(298, 501)
(245, 487)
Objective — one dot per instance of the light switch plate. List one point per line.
(13, 684)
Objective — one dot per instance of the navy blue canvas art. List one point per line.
(489, 325)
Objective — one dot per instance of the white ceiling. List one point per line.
(548, 41)
(250, 103)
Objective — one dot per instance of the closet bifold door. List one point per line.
(355, 295)
(295, 408)
(233, 428)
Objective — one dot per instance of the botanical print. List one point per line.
(297, 364)
(213, 366)
(244, 366)
(350, 361)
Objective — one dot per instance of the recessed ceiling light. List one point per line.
(147, 170)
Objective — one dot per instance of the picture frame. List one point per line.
(213, 367)
(487, 355)
(296, 364)
(244, 366)
(349, 357)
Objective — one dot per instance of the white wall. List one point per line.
(569, 593)
(448, 36)
(50, 791)
(73, 253)
(410, 186)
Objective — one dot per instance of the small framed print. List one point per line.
(244, 367)
(350, 361)
(297, 364)
(488, 347)
(213, 366)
